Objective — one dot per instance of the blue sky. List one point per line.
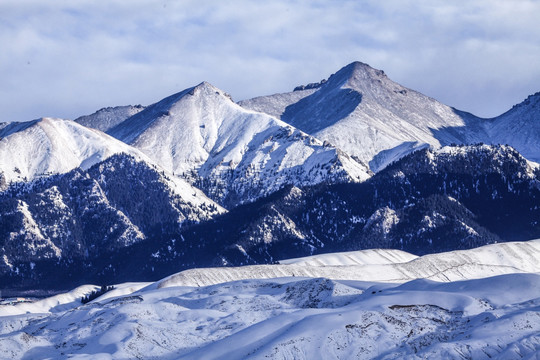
(69, 58)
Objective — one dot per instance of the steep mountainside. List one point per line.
(107, 118)
(360, 110)
(519, 127)
(82, 215)
(484, 195)
(78, 205)
(49, 146)
(233, 154)
(276, 104)
(428, 202)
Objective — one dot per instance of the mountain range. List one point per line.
(233, 154)
(353, 162)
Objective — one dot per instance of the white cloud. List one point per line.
(72, 58)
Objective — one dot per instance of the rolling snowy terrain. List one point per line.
(263, 312)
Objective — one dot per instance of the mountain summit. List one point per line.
(48, 146)
(360, 110)
(357, 75)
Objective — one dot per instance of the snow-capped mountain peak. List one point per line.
(202, 134)
(47, 146)
(355, 74)
(206, 88)
(361, 111)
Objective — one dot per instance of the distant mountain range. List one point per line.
(364, 113)
(353, 162)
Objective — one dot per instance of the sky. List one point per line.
(70, 58)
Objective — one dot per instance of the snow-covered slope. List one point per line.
(362, 257)
(468, 160)
(360, 110)
(519, 127)
(64, 301)
(293, 317)
(47, 146)
(234, 154)
(381, 265)
(275, 104)
(107, 118)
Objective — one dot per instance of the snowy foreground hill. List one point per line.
(369, 304)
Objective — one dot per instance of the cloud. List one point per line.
(70, 58)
